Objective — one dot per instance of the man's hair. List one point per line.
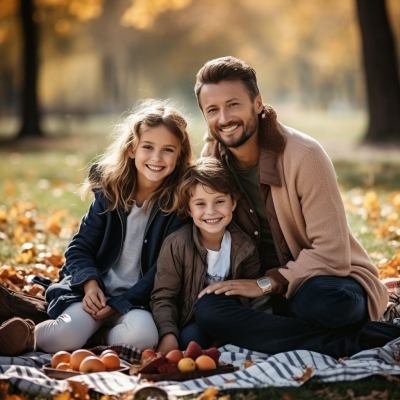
(227, 69)
(210, 173)
(233, 69)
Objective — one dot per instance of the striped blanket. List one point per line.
(256, 370)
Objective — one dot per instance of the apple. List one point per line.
(193, 350)
(174, 356)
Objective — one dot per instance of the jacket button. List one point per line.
(251, 211)
(255, 233)
(145, 241)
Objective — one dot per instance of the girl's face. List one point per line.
(156, 155)
(211, 211)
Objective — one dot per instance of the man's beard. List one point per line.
(247, 133)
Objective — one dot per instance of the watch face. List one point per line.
(264, 284)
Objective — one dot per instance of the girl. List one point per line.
(209, 250)
(110, 263)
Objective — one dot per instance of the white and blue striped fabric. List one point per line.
(291, 368)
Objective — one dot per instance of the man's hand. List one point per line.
(235, 287)
(167, 343)
(104, 313)
(94, 299)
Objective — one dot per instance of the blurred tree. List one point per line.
(30, 114)
(141, 13)
(381, 71)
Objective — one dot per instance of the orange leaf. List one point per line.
(306, 375)
(80, 391)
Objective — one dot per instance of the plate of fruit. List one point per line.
(82, 361)
(178, 365)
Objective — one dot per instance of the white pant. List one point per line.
(72, 329)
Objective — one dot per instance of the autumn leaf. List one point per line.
(80, 391)
(305, 376)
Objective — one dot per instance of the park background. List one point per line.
(71, 69)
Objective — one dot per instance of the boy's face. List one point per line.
(211, 211)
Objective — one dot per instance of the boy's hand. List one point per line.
(94, 299)
(235, 287)
(167, 343)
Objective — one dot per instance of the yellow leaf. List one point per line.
(62, 396)
(210, 393)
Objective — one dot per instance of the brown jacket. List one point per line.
(307, 211)
(181, 273)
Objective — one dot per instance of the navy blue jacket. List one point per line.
(95, 249)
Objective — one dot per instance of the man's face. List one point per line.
(231, 115)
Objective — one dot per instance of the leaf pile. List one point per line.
(32, 244)
(380, 216)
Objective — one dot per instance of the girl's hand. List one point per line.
(104, 313)
(94, 299)
(167, 343)
(234, 287)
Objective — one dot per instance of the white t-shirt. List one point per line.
(126, 271)
(219, 262)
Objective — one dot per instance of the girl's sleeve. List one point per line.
(81, 252)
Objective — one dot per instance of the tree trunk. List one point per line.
(30, 115)
(381, 71)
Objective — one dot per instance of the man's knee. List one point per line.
(324, 301)
(212, 310)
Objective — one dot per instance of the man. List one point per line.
(324, 289)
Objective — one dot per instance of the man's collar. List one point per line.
(267, 165)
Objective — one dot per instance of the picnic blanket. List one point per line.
(256, 370)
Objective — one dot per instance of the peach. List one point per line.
(111, 361)
(60, 357)
(91, 364)
(63, 366)
(205, 363)
(186, 364)
(174, 356)
(78, 356)
(147, 354)
(107, 351)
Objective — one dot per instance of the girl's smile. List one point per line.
(156, 155)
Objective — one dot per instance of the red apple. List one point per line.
(193, 350)
(213, 352)
(174, 356)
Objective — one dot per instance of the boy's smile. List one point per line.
(211, 212)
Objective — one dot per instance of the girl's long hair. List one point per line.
(114, 173)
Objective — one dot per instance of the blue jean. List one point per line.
(328, 315)
(192, 332)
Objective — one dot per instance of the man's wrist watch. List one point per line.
(265, 284)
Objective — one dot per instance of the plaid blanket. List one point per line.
(256, 370)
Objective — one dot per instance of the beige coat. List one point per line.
(311, 216)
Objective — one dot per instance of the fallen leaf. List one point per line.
(306, 375)
(210, 393)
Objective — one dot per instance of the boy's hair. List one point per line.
(227, 69)
(115, 172)
(209, 172)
